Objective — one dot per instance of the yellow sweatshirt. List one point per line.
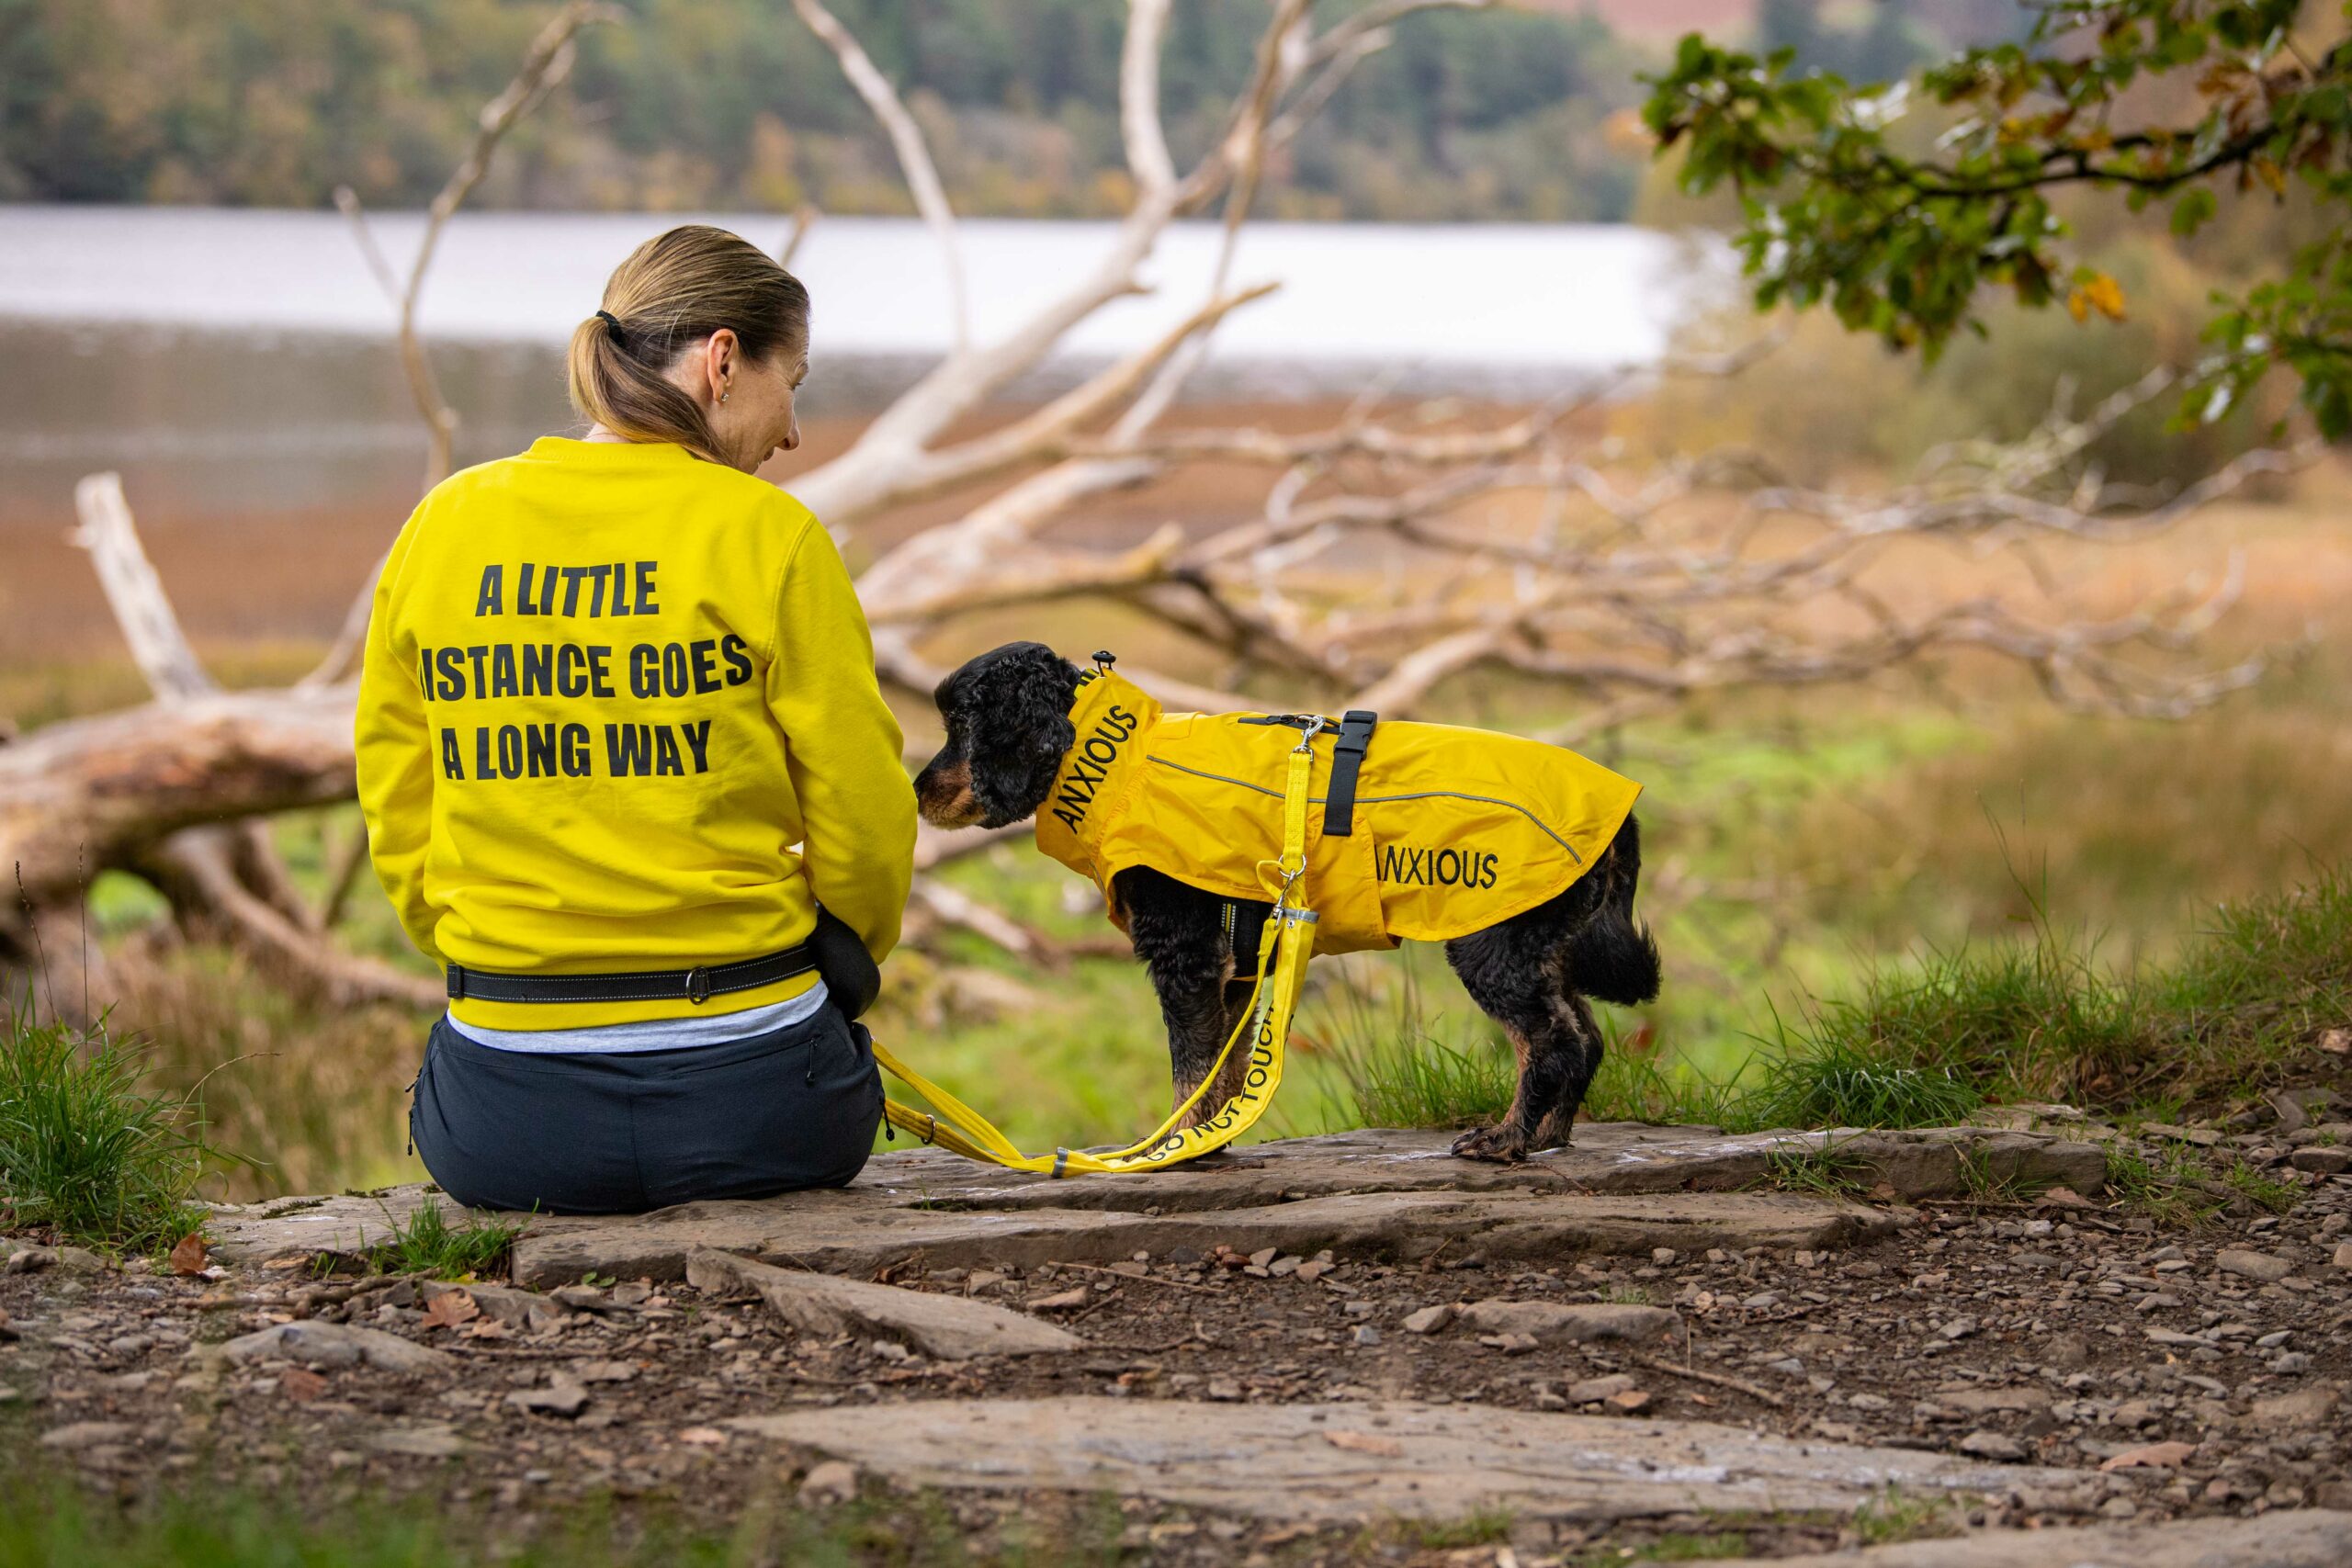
(618, 713)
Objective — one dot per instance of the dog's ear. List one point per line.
(1020, 727)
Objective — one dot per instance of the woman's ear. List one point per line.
(722, 360)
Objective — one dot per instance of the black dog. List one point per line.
(1008, 722)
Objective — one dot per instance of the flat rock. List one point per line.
(1355, 1463)
(431, 1440)
(1568, 1323)
(564, 1396)
(76, 1436)
(502, 1304)
(841, 1234)
(2021, 1400)
(1607, 1157)
(351, 1223)
(961, 1213)
(2303, 1538)
(337, 1344)
(951, 1328)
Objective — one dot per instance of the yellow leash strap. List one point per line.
(1283, 948)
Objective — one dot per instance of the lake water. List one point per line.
(234, 365)
(1541, 297)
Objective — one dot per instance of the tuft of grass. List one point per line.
(1894, 1514)
(1634, 1085)
(1681, 1546)
(2258, 1187)
(1385, 1064)
(1486, 1526)
(1984, 1184)
(1847, 1080)
(2039, 1020)
(426, 1242)
(1828, 1170)
(85, 1150)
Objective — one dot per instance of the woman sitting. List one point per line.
(621, 748)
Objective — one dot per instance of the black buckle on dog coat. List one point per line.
(1347, 761)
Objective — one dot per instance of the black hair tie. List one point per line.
(613, 324)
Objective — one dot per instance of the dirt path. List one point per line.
(1559, 1362)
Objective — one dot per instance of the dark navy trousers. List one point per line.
(624, 1132)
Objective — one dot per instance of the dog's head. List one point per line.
(1007, 715)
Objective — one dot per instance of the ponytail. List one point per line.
(674, 290)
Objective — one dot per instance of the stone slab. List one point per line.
(337, 1344)
(949, 1327)
(2303, 1538)
(1625, 1186)
(845, 1236)
(1607, 1157)
(1355, 1463)
(349, 1222)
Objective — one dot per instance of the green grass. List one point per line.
(1638, 1085)
(1828, 1170)
(1677, 1546)
(1895, 1516)
(2040, 1020)
(2177, 1185)
(1840, 1080)
(85, 1150)
(1381, 1057)
(1483, 1528)
(45, 1521)
(426, 1242)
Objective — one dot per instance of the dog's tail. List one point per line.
(1614, 958)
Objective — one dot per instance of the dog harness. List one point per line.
(1426, 832)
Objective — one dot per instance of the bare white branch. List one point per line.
(906, 140)
(142, 609)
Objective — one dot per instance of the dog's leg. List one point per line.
(1506, 974)
(1179, 936)
(1577, 1017)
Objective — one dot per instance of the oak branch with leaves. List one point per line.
(1835, 213)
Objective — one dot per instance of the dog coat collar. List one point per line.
(1454, 830)
(1108, 715)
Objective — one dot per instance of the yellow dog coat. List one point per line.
(1453, 829)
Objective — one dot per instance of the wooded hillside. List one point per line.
(731, 104)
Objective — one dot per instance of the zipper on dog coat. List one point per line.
(1451, 830)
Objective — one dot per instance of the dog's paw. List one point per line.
(1500, 1144)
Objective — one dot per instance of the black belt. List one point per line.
(698, 984)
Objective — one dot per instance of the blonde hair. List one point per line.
(677, 289)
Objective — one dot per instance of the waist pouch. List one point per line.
(852, 977)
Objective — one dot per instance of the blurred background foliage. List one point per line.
(1514, 114)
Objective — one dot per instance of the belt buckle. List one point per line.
(698, 985)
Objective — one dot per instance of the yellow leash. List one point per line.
(1283, 948)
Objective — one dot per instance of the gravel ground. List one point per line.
(2208, 1366)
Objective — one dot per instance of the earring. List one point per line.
(722, 397)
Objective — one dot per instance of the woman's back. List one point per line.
(606, 639)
